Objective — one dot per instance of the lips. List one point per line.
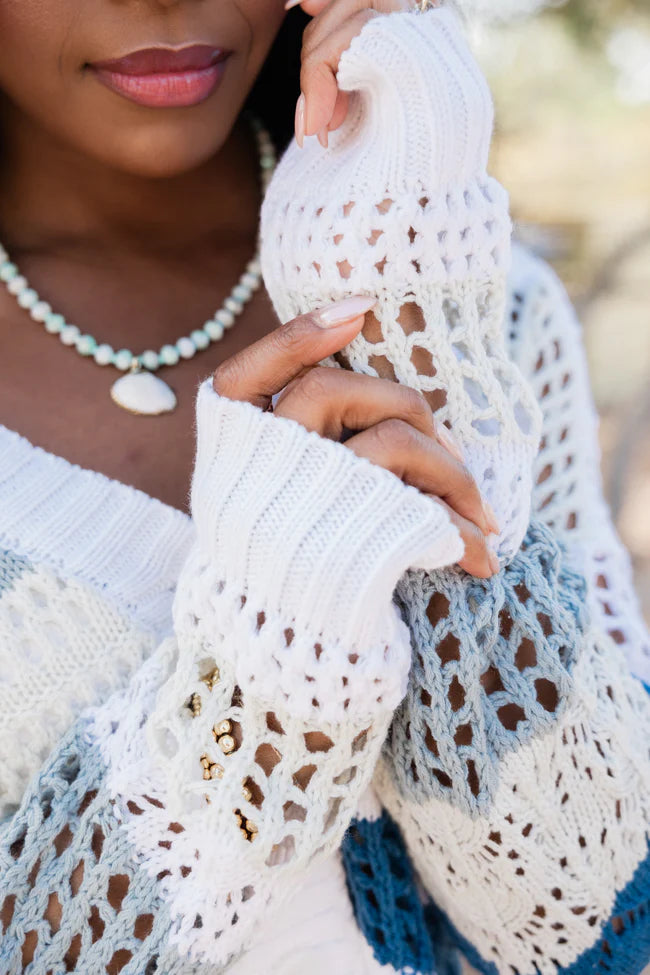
(163, 77)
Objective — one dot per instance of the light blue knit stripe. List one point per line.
(492, 668)
(66, 803)
(12, 567)
(621, 947)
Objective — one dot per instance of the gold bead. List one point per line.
(195, 705)
(246, 792)
(226, 744)
(224, 727)
(206, 774)
(252, 829)
(216, 771)
(211, 679)
(205, 761)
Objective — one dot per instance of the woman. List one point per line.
(206, 763)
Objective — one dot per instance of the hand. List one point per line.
(390, 425)
(322, 107)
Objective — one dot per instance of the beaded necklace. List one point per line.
(140, 391)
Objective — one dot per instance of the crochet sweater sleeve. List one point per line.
(546, 342)
(517, 767)
(401, 207)
(169, 818)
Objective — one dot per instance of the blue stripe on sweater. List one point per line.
(418, 940)
(384, 895)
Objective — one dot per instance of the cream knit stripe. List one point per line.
(232, 882)
(305, 526)
(533, 880)
(62, 649)
(125, 545)
(400, 206)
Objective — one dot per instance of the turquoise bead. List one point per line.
(27, 298)
(86, 345)
(8, 272)
(241, 292)
(200, 338)
(103, 354)
(54, 323)
(225, 317)
(168, 355)
(69, 334)
(214, 330)
(233, 305)
(150, 360)
(123, 359)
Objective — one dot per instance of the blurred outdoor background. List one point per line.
(572, 90)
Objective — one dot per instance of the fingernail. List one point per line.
(300, 120)
(491, 518)
(494, 563)
(448, 441)
(291, 3)
(344, 311)
(323, 137)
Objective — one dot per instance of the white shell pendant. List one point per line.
(144, 393)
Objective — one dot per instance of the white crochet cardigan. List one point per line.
(287, 569)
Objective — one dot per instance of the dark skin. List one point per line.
(77, 270)
(135, 222)
(82, 210)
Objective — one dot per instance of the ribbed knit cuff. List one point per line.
(311, 531)
(426, 108)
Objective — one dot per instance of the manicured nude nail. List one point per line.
(323, 137)
(494, 563)
(300, 120)
(448, 441)
(291, 3)
(344, 311)
(491, 518)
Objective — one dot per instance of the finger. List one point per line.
(258, 372)
(328, 401)
(340, 111)
(318, 81)
(330, 15)
(477, 559)
(424, 463)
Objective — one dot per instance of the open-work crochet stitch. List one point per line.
(509, 676)
(199, 715)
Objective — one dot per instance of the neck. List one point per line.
(53, 196)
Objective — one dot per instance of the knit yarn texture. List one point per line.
(202, 718)
(507, 675)
(401, 207)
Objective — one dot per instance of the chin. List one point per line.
(162, 151)
(167, 157)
